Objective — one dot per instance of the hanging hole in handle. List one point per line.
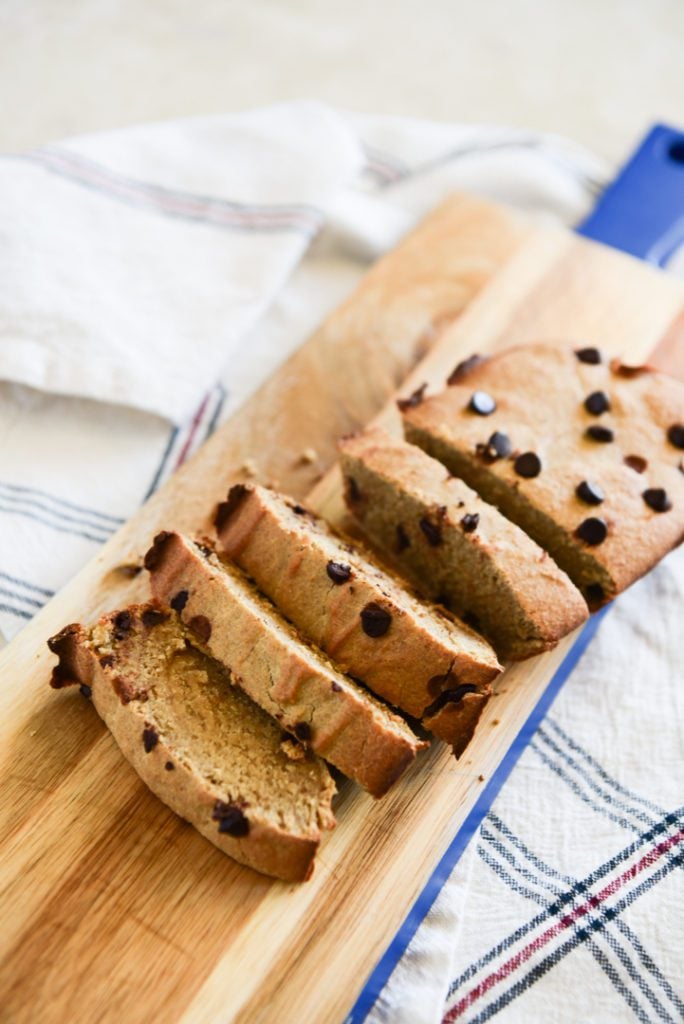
(675, 150)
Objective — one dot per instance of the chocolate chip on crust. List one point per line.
(528, 465)
(636, 462)
(338, 572)
(588, 355)
(675, 435)
(469, 521)
(603, 434)
(152, 617)
(590, 493)
(231, 819)
(201, 627)
(85, 690)
(375, 620)
(179, 600)
(597, 403)
(592, 531)
(482, 403)
(155, 554)
(227, 508)
(169, 766)
(657, 499)
(150, 738)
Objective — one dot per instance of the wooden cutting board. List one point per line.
(112, 908)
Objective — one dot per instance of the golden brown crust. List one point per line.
(540, 392)
(268, 848)
(400, 647)
(455, 543)
(326, 710)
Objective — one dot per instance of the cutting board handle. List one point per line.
(642, 211)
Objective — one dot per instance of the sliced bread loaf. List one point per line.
(422, 661)
(583, 453)
(324, 709)
(454, 546)
(198, 742)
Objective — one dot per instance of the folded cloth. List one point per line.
(566, 904)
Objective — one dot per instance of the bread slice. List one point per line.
(453, 545)
(324, 709)
(198, 742)
(422, 661)
(589, 459)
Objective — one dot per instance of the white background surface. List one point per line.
(599, 71)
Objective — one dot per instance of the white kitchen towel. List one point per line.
(566, 905)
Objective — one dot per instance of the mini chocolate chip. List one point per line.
(353, 492)
(169, 766)
(226, 509)
(501, 444)
(432, 531)
(302, 731)
(201, 627)
(481, 403)
(604, 434)
(469, 522)
(597, 402)
(594, 594)
(336, 688)
(657, 499)
(528, 465)
(621, 370)
(179, 600)
(85, 690)
(636, 462)
(463, 368)
(592, 531)
(591, 493)
(231, 819)
(375, 620)
(298, 510)
(403, 539)
(107, 660)
(338, 572)
(149, 738)
(588, 355)
(414, 399)
(123, 624)
(153, 617)
(675, 435)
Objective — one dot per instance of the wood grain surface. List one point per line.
(112, 908)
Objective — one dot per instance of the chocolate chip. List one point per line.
(200, 626)
(298, 510)
(107, 660)
(413, 399)
(204, 548)
(226, 509)
(169, 766)
(657, 499)
(153, 617)
(469, 522)
(375, 620)
(597, 402)
(231, 819)
(675, 435)
(500, 443)
(636, 462)
(592, 531)
(481, 403)
(123, 624)
(453, 696)
(179, 600)
(463, 369)
(594, 594)
(302, 731)
(338, 572)
(528, 465)
(604, 434)
(432, 531)
(621, 370)
(85, 690)
(588, 355)
(156, 553)
(591, 493)
(336, 688)
(403, 539)
(150, 739)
